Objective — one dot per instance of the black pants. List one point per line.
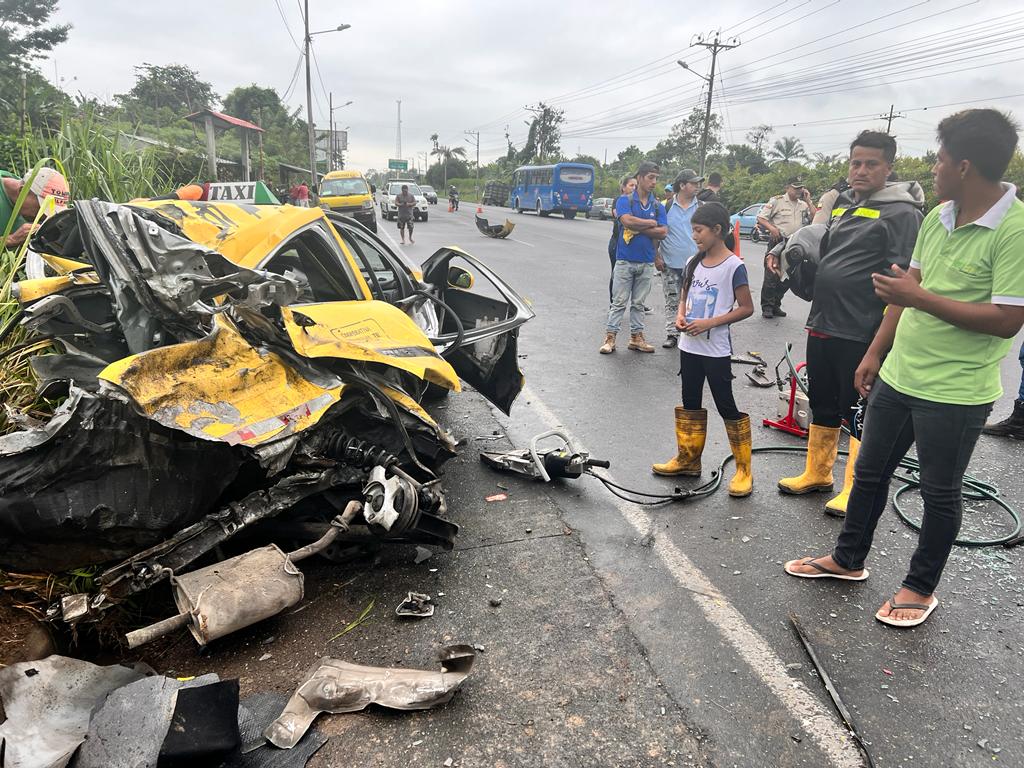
(772, 290)
(694, 369)
(831, 364)
(945, 436)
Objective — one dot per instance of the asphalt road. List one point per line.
(700, 585)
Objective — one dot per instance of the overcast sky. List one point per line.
(819, 70)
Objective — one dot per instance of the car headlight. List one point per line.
(368, 204)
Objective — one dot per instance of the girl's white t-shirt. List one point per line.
(712, 294)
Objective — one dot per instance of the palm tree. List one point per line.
(786, 150)
(820, 158)
(445, 154)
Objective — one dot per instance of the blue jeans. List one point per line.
(1020, 393)
(945, 436)
(631, 282)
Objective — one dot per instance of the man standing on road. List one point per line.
(873, 226)
(950, 322)
(46, 183)
(677, 248)
(643, 222)
(405, 202)
(782, 216)
(712, 192)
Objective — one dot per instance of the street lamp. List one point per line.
(307, 40)
(330, 126)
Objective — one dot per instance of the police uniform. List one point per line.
(789, 216)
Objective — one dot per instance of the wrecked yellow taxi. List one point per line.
(228, 368)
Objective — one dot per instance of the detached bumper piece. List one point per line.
(499, 231)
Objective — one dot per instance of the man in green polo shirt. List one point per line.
(950, 321)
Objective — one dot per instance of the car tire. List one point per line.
(424, 217)
(540, 209)
(570, 215)
(518, 207)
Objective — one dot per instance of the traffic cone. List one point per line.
(736, 238)
(479, 209)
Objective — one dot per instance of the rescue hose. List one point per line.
(973, 488)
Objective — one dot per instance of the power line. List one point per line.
(287, 28)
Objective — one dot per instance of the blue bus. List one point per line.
(565, 188)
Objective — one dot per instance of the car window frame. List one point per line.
(319, 229)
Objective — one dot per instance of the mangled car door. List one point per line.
(480, 317)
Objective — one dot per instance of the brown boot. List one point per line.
(609, 344)
(638, 343)
(691, 434)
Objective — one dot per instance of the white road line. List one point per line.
(821, 724)
(521, 242)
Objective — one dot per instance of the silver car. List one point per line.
(602, 208)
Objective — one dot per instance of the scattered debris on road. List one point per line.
(416, 605)
(497, 231)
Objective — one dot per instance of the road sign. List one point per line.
(398, 165)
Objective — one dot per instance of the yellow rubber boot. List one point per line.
(691, 434)
(837, 506)
(822, 444)
(739, 440)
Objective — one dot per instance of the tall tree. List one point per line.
(786, 150)
(682, 147)
(174, 87)
(446, 155)
(757, 137)
(744, 156)
(24, 35)
(543, 142)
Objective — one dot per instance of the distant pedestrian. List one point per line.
(405, 202)
(782, 216)
(643, 223)
(626, 187)
(676, 250)
(712, 192)
(716, 293)
(949, 323)
(300, 195)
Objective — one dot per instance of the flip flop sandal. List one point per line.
(822, 571)
(894, 606)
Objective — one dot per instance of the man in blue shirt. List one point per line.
(678, 248)
(643, 223)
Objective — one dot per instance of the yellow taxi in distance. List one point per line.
(348, 193)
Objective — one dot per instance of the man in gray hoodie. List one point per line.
(873, 226)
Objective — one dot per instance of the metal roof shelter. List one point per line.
(212, 121)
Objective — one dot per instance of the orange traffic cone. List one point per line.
(479, 209)
(736, 239)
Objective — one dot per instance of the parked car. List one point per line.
(429, 193)
(349, 193)
(602, 208)
(747, 219)
(388, 209)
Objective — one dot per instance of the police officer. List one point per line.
(782, 216)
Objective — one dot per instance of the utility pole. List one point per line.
(309, 101)
(330, 131)
(476, 189)
(890, 117)
(538, 135)
(398, 133)
(259, 118)
(714, 44)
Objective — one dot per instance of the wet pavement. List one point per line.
(700, 584)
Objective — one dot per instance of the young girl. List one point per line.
(715, 294)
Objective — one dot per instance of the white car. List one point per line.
(388, 209)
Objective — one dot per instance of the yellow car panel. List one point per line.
(368, 331)
(220, 388)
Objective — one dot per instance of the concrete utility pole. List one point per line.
(477, 145)
(540, 137)
(890, 117)
(714, 44)
(311, 134)
(398, 132)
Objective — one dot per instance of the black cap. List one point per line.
(647, 167)
(795, 181)
(685, 175)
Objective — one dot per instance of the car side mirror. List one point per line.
(460, 278)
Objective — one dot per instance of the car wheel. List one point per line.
(426, 216)
(570, 215)
(518, 207)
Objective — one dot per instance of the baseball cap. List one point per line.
(685, 175)
(49, 183)
(795, 181)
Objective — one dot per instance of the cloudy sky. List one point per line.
(819, 70)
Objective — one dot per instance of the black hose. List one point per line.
(460, 329)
